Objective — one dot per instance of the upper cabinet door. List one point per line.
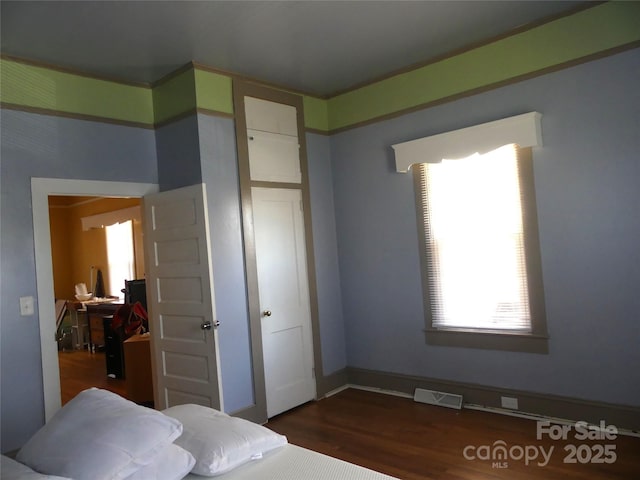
(272, 136)
(270, 117)
(274, 157)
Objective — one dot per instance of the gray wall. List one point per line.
(51, 147)
(331, 322)
(220, 174)
(178, 147)
(587, 182)
(201, 149)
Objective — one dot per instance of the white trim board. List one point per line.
(41, 188)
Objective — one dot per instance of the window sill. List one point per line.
(488, 340)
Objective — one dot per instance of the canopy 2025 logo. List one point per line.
(500, 453)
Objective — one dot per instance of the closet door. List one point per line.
(280, 253)
(284, 298)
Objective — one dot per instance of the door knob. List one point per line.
(267, 313)
(209, 325)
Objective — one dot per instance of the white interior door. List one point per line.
(180, 298)
(284, 297)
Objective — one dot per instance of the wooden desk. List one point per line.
(101, 334)
(96, 313)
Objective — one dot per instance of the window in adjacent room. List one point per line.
(120, 254)
(480, 260)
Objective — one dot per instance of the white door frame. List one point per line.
(242, 89)
(41, 188)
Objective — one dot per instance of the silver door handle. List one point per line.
(209, 325)
(267, 313)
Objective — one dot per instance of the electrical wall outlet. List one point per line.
(26, 306)
(509, 402)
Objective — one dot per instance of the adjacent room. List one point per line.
(97, 257)
(403, 235)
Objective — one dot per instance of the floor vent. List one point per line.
(442, 399)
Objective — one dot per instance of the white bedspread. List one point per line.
(296, 463)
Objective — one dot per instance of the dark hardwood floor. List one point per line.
(80, 370)
(409, 440)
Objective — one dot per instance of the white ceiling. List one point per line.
(318, 47)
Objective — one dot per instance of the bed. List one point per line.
(292, 462)
(101, 436)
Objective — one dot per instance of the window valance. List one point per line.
(523, 130)
(111, 218)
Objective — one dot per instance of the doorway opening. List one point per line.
(91, 236)
(41, 189)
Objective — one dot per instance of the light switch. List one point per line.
(26, 306)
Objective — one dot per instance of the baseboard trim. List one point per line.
(535, 404)
(325, 386)
(328, 385)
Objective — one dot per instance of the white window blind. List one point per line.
(475, 252)
(120, 255)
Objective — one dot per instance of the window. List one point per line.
(480, 254)
(480, 261)
(121, 245)
(120, 255)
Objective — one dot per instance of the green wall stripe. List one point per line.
(174, 97)
(569, 38)
(563, 41)
(76, 116)
(213, 91)
(39, 87)
(316, 113)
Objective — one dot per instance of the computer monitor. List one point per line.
(135, 291)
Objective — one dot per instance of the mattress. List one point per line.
(296, 463)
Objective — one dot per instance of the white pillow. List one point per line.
(12, 470)
(173, 463)
(99, 435)
(219, 442)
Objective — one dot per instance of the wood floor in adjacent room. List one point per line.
(409, 440)
(80, 369)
